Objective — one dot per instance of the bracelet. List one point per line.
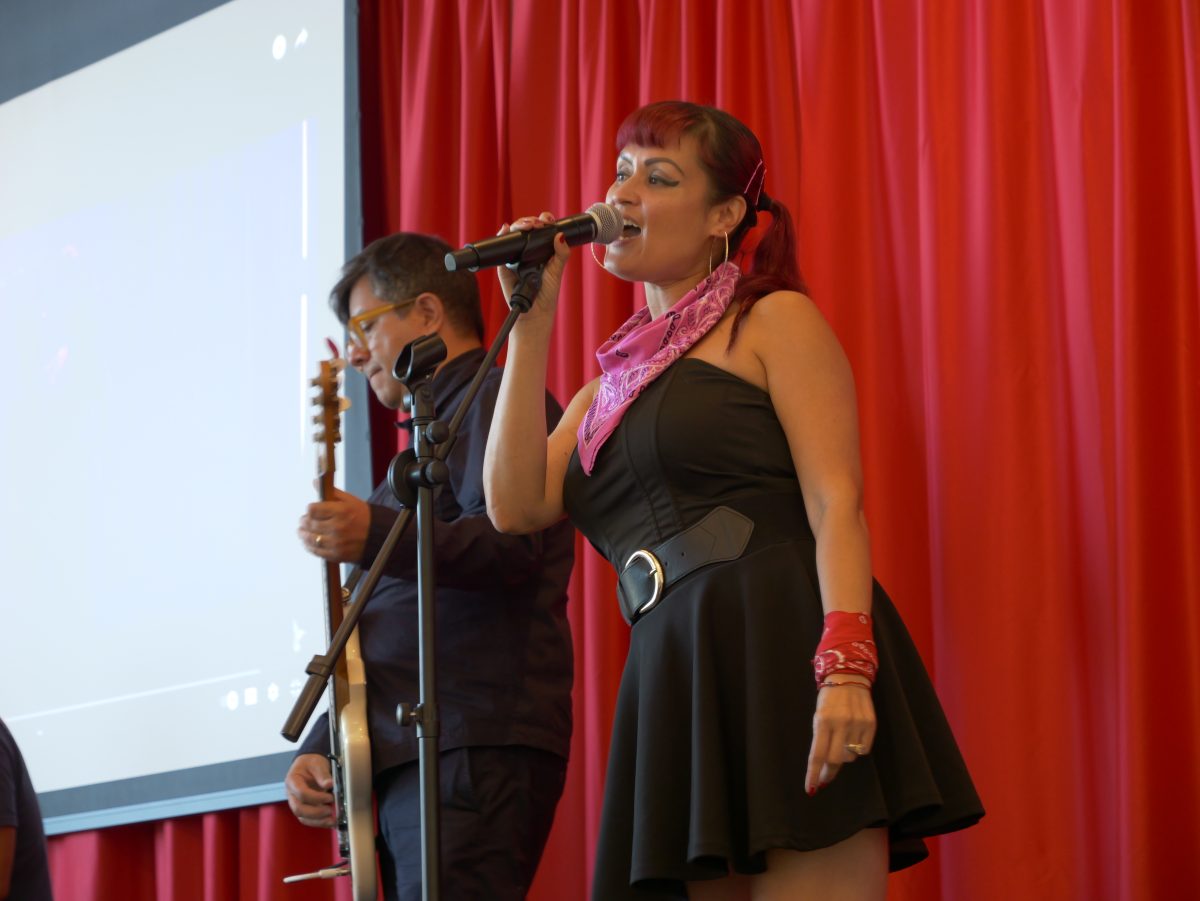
(838, 684)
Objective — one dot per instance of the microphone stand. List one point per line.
(412, 476)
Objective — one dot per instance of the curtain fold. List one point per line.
(998, 209)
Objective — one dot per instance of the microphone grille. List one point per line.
(608, 222)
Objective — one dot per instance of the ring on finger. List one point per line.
(317, 542)
(856, 749)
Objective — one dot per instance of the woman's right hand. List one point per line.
(843, 731)
(546, 301)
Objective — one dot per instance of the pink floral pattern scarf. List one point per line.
(642, 349)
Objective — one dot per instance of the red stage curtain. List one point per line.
(998, 207)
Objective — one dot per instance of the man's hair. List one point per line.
(404, 265)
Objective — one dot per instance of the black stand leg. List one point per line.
(414, 477)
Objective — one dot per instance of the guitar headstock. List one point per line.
(327, 418)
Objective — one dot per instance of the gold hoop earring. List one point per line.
(596, 258)
(726, 260)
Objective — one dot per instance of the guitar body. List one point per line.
(355, 748)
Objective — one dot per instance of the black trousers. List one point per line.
(496, 811)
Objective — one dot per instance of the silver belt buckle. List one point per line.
(656, 571)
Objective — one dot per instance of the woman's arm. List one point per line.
(812, 389)
(532, 510)
(523, 467)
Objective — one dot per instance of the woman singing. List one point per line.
(776, 735)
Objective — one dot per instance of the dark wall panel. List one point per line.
(41, 41)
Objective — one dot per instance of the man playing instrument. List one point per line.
(504, 658)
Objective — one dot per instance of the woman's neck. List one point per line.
(661, 297)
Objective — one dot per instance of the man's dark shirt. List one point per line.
(19, 807)
(504, 656)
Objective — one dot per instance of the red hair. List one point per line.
(732, 157)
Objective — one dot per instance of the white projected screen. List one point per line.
(171, 221)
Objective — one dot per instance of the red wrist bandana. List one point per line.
(847, 646)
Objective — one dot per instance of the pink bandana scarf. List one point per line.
(642, 349)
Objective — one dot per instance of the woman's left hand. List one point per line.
(843, 731)
(546, 301)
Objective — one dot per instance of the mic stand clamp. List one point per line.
(526, 289)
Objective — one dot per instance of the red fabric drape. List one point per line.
(999, 209)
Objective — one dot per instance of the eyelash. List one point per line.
(654, 178)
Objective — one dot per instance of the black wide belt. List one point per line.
(720, 536)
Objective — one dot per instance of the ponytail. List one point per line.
(774, 266)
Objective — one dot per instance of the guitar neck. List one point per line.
(328, 420)
(332, 576)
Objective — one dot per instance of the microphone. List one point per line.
(601, 224)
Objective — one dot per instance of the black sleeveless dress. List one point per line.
(713, 722)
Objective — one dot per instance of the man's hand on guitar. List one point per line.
(336, 529)
(309, 785)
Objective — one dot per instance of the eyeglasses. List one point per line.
(360, 326)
